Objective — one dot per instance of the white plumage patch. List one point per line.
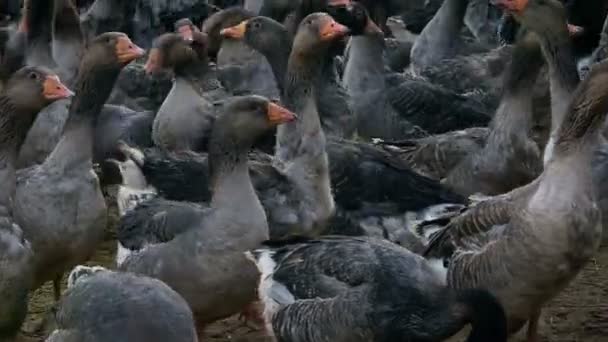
(271, 293)
(122, 254)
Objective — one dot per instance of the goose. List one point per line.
(241, 69)
(521, 246)
(28, 91)
(55, 40)
(59, 204)
(337, 117)
(557, 48)
(200, 258)
(365, 83)
(102, 305)
(364, 289)
(510, 158)
(188, 108)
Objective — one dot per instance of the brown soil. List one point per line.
(579, 314)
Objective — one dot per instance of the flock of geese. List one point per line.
(305, 171)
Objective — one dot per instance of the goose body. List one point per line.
(127, 307)
(311, 291)
(525, 235)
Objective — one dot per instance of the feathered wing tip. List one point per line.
(432, 219)
(81, 272)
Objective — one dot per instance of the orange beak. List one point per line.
(332, 30)
(515, 6)
(127, 51)
(235, 32)
(153, 62)
(53, 89)
(336, 3)
(278, 115)
(186, 33)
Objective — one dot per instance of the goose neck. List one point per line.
(229, 172)
(563, 73)
(13, 129)
(75, 148)
(296, 138)
(365, 65)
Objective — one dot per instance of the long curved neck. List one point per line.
(303, 137)
(563, 73)
(38, 22)
(13, 129)
(513, 118)
(441, 36)
(563, 77)
(94, 85)
(278, 58)
(364, 69)
(68, 39)
(228, 170)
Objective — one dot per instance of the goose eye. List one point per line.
(256, 25)
(33, 76)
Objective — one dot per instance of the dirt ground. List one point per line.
(579, 314)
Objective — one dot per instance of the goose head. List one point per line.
(316, 33)
(173, 49)
(33, 88)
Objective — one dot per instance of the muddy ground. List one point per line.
(579, 314)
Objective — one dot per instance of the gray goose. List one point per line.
(527, 245)
(27, 92)
(200, 257)
(55, 40)
(510, 158)
(241, 69)
(59, 204)
(344, 289)
(101, 305)
(188, 108)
